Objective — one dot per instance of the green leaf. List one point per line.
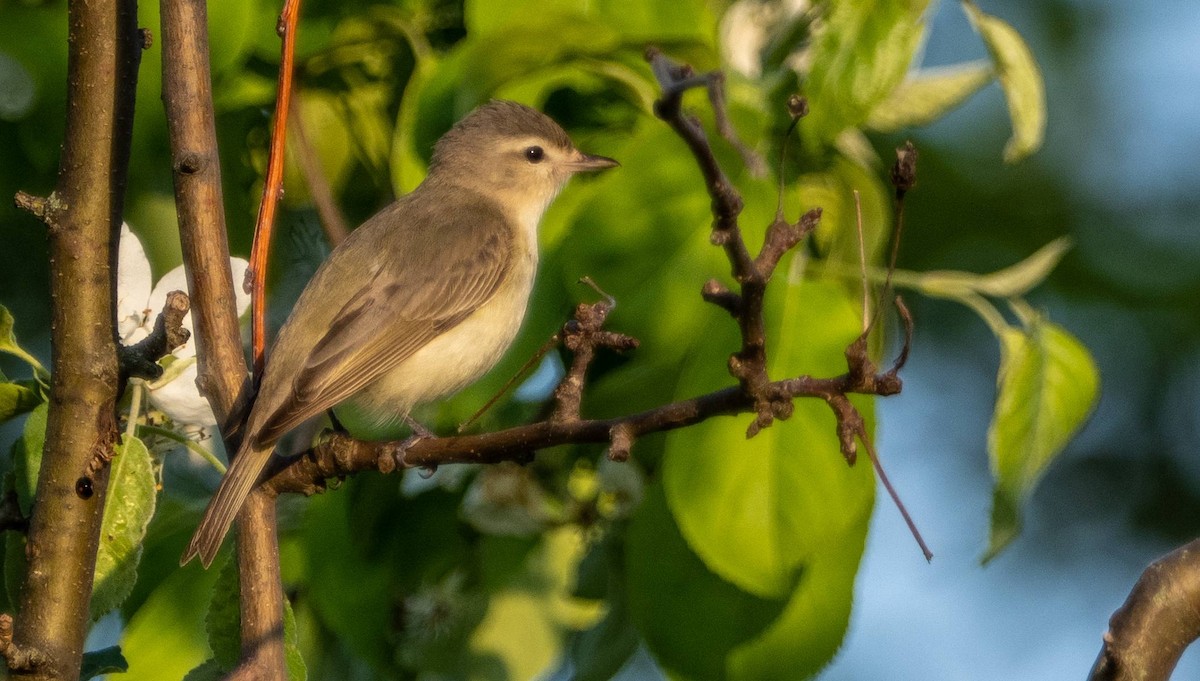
(1048, 384)
(8, 343)
(223, 623)
(1022, 277)
(862, 51)
(1021, 79)
(811, 628)
(165, 635)
(928, 94)
(1011, 282)
(103, 661)
(16, 399)
(27, 454)
(598, 653)
(757, 510)
(127, 513)
(224, 626)
(690, 618)
(833, 191)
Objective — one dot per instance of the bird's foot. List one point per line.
(400, 451)
(419, 431)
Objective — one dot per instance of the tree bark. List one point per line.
(222, 370)
(83, 217)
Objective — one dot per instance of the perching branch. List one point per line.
(341, 455)
(83, 215)
(1161, 618)
(222, 371)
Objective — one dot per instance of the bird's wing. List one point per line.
(391, 317)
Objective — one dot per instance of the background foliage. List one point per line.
(717, 557)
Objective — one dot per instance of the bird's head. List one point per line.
(511, 152)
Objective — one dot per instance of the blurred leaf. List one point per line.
(164, 638)
(16, 89)
(103, 661)
(599, 652)
(127, 512)
(329, 139)
(929, 94)
(8, 343)
(1010, 282)
(1048, 384)
(690, 618)
(16, 399)
(1022, 277)
(349, 591)
(812, 627)
(27, 454)
(861, 52)
(757, 510)
(223, 624)
(690, 20)
(539, 605)
(1021, 79)
(832, 190)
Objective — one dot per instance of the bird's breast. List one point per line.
(458, 357)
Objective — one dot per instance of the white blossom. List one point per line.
(138, 305)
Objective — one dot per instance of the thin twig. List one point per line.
(887, 484)
(255, 283)
(550, 344)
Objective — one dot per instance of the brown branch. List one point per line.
(141, 358)
(340, 455)
(748, 365)
(583, 335)
(187, 93)
(18, 658)
(84, 219)
(1147, 635)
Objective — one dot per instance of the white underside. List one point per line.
(466, 352)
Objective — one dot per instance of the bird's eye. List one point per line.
(534, 154)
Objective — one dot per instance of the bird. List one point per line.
(419, 301)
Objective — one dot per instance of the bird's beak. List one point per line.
(582, 163)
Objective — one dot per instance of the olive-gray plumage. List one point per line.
(420, 300)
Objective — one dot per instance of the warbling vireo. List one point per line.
(419, 301)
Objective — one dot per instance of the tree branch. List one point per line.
(84, 219)
(141, 358)
(222, 370)
(1149, 632)
(341, 455)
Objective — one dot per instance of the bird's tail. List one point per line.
(225, 504)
